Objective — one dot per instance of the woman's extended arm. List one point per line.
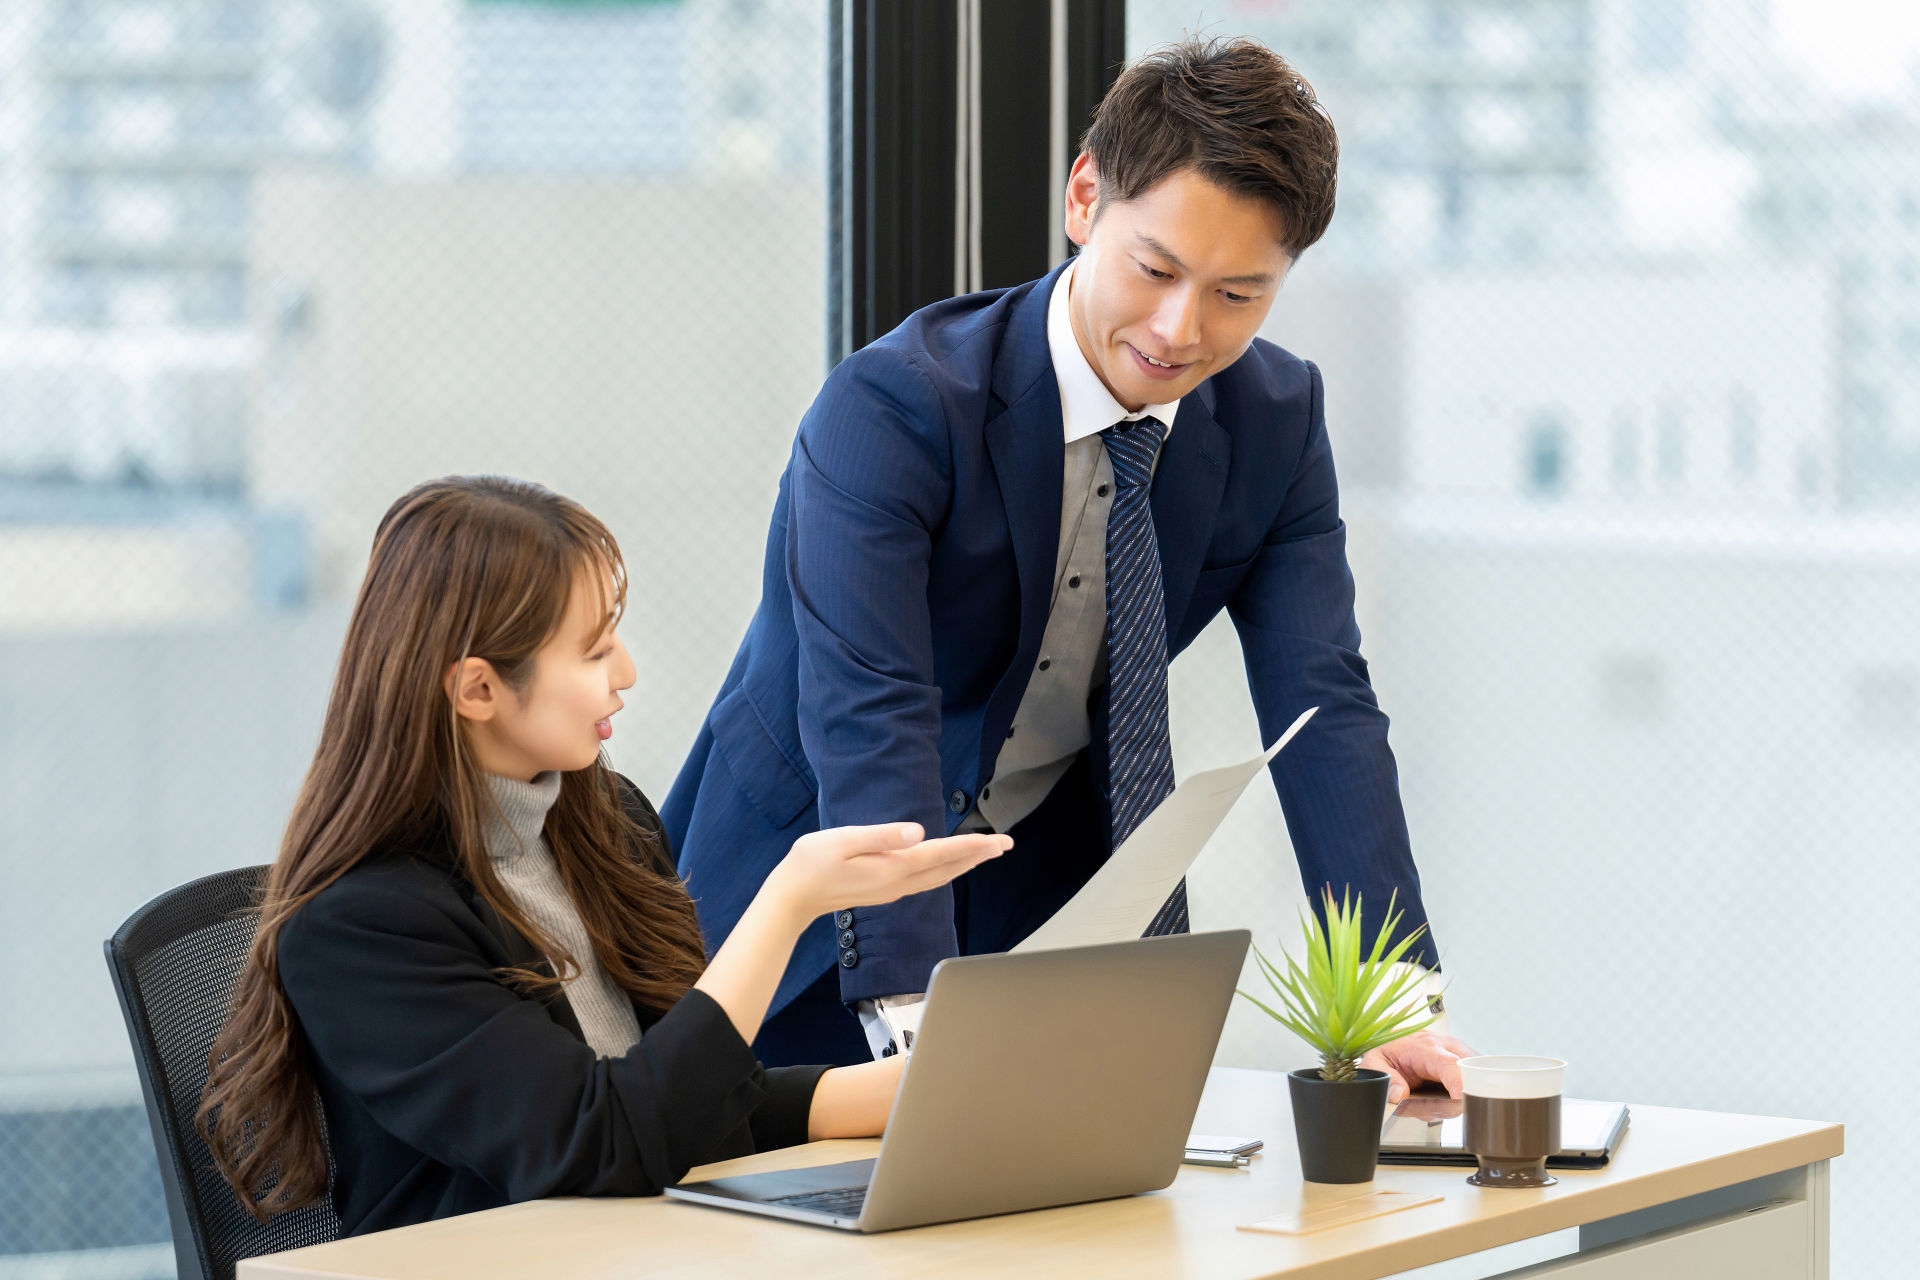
(825, 871)
(854, 1102)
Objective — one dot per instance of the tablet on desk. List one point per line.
(1431, 1129)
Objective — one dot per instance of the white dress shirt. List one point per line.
(1051, 726)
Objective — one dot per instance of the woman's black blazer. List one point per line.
(447, 1091)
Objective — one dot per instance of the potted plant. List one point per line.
(1345, 1002)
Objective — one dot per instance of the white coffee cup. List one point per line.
(1512, 1118)
(1512, 1077)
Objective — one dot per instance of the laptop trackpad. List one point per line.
(790, 1182)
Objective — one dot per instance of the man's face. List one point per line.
(1171, 287)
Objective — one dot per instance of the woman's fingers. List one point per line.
(903, 838)
(880, 838)
(895, 874)
(970, 848)
(939, 861)
(868, 866)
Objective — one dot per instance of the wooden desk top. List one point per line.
(1188, 1229)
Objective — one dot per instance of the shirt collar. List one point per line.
(1086, 406)
(519, 818)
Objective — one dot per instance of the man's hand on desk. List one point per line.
(1417, 1059)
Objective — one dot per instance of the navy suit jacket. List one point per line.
(906, 587)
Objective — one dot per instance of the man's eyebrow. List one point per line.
(1160, 249)
(1257, 277)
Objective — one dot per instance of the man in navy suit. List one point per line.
(1000, 522)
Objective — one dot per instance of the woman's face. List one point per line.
(558, 721)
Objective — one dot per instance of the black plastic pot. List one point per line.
(1337, 1124)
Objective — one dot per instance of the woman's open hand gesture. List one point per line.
(823, 872)
(866, 866)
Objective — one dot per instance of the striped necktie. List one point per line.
(1139, 750)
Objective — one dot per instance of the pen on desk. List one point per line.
(1216, 1159)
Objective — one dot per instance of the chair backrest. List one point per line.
(174, 965)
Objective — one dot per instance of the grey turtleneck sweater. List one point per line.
(525, 866)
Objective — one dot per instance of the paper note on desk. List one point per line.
(1120, 901)
(1318, 1217)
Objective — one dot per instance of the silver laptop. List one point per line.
(1037, 1079)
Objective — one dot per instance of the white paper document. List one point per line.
(1120, 901)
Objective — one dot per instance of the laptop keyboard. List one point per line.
(841, 1202)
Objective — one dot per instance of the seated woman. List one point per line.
(473, 948)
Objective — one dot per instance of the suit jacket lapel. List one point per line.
(521, 955)
(1025, 442)
(1187, 486)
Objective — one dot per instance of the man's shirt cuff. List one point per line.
(891, 1023)
(1428, 992)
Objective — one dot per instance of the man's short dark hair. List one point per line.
(1233, 111)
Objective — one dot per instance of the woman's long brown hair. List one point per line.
(463, 567)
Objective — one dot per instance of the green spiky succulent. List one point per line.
(1346, 1003)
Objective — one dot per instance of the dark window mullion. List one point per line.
(894, 116)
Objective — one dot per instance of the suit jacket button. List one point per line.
(849, 958)
(844, 919)
(847, 939)
(957, 801)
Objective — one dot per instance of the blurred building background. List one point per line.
(1621, 336)
(1620, 322)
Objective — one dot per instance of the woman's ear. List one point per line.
(474, 688)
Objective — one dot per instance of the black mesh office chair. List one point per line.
(174, 964)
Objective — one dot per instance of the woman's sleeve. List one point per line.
(781, 1121)
(395, 994)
